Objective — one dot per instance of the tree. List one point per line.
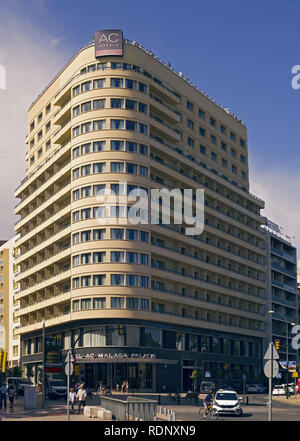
(15, 371)
(29, 371)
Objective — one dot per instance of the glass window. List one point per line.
(99, 167)
(117, 279)
(144, 304)
(117, 189)
(76, 305)
(116, 103)
(116, 82)
(99, 303)
(76, 216)
(85, 170)
(131, 303)
(117, 124)
(143, 107)
(99, 84)
(85, 107)
(131, 234)
(144, 281)
(131, 257)
(115, 65)
(99, 234)
(201, 114)
(76, 90)
(117, 167)
(144, 259)
(76, 260)
(86, 304)
(99, 279)
(86, 258)
(201, 131)
(76, 153)
(99, 257)
(85, 236)
(131, 146)
(76, 238)
(99, 104)
(117, 145)
(143, 171)
(76, 111)
(132, 336)
(130, 84)
(190, 106)
(86, 86)
(76, 195)
(113, 338)
(99, 124)
(99, 189)
(117, 302)
(144, 236)
(99, 212)
(131, 168)
(117, 233)
(76, 131)
(193, 342)
(99, 146)
(117, 256)
(180, 340)
(130, 104)
(85, 191)
(143, 149)
(85, 281)
(86, 213)
(143, 128)
(143, 87)
(130, 125)
(152, 338)
(86, 148)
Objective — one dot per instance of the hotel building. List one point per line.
(144, 303)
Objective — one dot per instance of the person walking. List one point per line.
(11, 396)
(3, 391)
(81, 397)
(72, 399)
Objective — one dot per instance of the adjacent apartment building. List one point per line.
(9, 339)
(145, 303)
(282, 289)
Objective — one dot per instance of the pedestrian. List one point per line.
(81, 397)
(3, 396)
(11, 396)
(126, 386)
(72, 399)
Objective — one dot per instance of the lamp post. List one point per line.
(270, 379)
(287, 358)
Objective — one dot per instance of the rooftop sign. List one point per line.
(108, 42)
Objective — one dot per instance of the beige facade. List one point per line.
(9, 339)
(105, 121)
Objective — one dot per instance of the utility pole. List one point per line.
(43, 373)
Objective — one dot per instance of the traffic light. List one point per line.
(121, 329)
(277, 345)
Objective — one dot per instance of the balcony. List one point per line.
(160, 126)
(280, 268)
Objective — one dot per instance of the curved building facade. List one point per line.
(141, 302)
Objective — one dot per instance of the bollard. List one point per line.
(158, 400)
(247, 399)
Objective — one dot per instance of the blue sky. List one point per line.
(241, 53)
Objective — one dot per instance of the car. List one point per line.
(56, 389)
(256, 388)
(18, 384)
(227, 402)
(279, 390)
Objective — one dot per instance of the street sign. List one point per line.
(67, 367)
(292, 365)
(244, 377)
(268, 366)
(207, 374)
(295, 374)
(278, 375)
(268, 354)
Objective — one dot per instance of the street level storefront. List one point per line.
(150, 356)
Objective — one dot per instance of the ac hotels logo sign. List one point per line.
(108, 42)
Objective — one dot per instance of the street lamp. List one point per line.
(270, 378)
(287, 358)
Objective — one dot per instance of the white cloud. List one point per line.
(30, 62)
(280, 191)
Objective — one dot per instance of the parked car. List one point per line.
(227, 402)
(279, 390)
(56, 389)
(256, 388)
(18, 384)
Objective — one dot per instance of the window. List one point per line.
(117, 302)
(92, 68)
(143, 171)
(48, 108)
(242, 143)
(223, 129)
(86, 258)
(99, 124)
(232, 136)
(99, 280)
(76, 238)
(130, 104)
(212, 121)
(213, 139)
(144, 282)
(201, 114)
(99, 167)
(76, 90)
(86, 170)
(130, 84)
(116, 82)
(224, 146)
(85, 281)
(131, 168)
(99, 84)
(143, 107)
(189, 106)
(115, 65)
(202, 149)
(190, 142)
(131, 146)
(76, 216)
(86, 213)
(144, 304)
(86, 127)
(233, 153)
(131, 257)
(143, 128)
(117, 146)
(131, 234)
(201, 131)
(213, 156)
(130, 125)
(85, 236)
(85, 107)
(86, 148)
(144, 259)
(76, 303)
(99, 234)
(76, 260)
(99, 104)
(243, 174)
(116, 103)
(99, 146)
(233, 169)
(117, 189)
(99, 212)
(117, 124)
(117, 167)
(76, 283)
(76, 131)
(99, 303)
(143, 149)
(143, 87)
(99, 257)
(117, 233)
(117, 279)
(152, 337)
(243, 159)
(131, 280)
(224, 162)
(86, 86)
(76, 195)
(131, 303)
(117, 256)
(86, 304)
(144, 236)
(99, 189)
(190, 124)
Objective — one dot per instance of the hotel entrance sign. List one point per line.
(108, 42)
